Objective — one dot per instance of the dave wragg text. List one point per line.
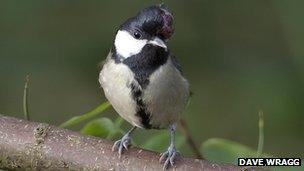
(269, 161)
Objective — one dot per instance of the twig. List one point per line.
(261, 134)
(189, 138)
(28, 145)
(25, 97)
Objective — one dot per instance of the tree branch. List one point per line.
(39, 146)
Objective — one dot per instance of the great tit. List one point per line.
(143, 80)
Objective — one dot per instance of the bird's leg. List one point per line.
(124, 142)
(169, 157)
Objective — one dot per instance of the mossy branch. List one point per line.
(26, 145)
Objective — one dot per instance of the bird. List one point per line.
(143, 80)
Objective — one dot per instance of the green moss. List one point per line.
(41, 132)
(11, 163)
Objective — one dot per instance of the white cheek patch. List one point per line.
(126, 45)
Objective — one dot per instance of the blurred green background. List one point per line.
(240, 57)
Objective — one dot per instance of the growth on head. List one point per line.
(152, 25)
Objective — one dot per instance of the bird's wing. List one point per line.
(176, 64)
(179, 68)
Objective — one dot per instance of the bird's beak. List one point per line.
(158, 42)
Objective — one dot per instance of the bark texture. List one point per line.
(28, 145)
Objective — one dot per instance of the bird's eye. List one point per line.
(137, 35)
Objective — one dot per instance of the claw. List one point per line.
(163, 157)
(169, 157)
(120, 151)
(126, 144)
(122, 144)
(166, 164)
(116, 145)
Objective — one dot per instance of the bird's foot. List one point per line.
(122, 144)
(169, 157)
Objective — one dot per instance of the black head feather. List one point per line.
(151, 21)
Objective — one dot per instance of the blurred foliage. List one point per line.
(227, 151)
(160, 142)
(239, 56)
(223, 150)
(78, 119)
(102, 127)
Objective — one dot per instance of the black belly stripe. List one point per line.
(141, 110)
(143, 65)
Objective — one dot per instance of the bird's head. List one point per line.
(150, 28)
